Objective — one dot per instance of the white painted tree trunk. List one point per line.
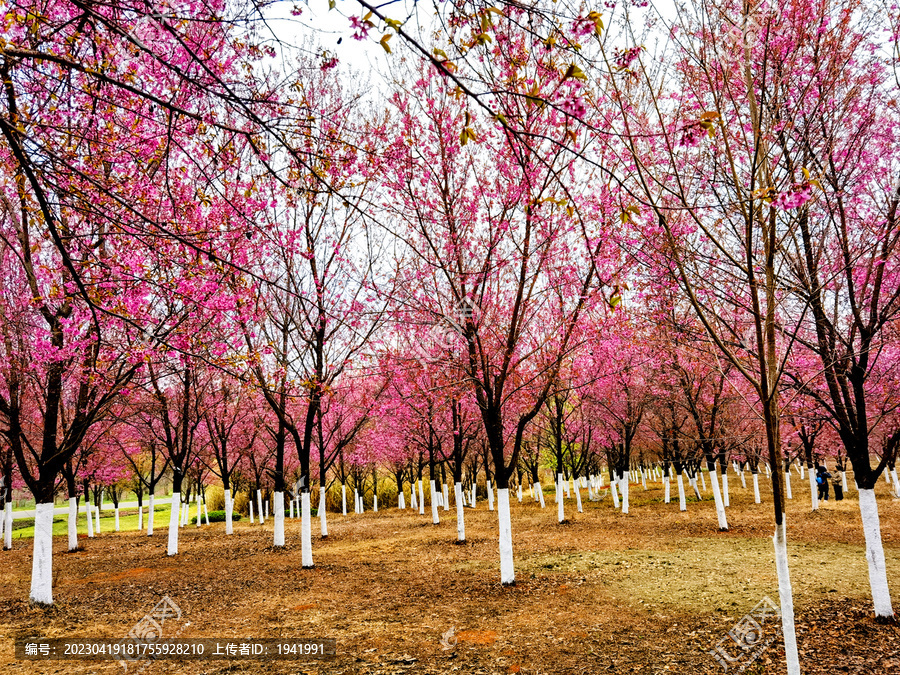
(787, 484)
(696, 489)
(519, 492)
(421, 499)
(507, 571)
(534, 492)
(682, 499)
(306, 531)
(266, 508)
(72, 524)
(343, 499)
(540, 489)
(726, 497)
(445, 496)
(702, 479)
(375, 503)
(786, 597)
(260, 505)
(172, 548)
(490, 496)
(116, 510)
(896, 482)
(279, 519)
(668, 489)
(720, 504)
(560, 501)
(291, 510)
(881, 596)
(578, 498)
(140, 517)
(844, 481)
(460, 513)
(801, 472)
(229, 511)
(150, 511)
(205, 512)
(97, 511)
(323, 512)
(199, 509)
(42, 560)
(625, 489)
(412, 499)
(756, 488)
(90, 519)
(401, 501)
(743, 480)
(250, 504)
(355, 501)
(813, 491)
(615, 492)
(474, 494)
(7, 534)
(435, 518)
(643, 479)
(566, 484)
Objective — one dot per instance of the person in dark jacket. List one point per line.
(822, 477)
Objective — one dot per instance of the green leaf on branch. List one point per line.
(574, 71)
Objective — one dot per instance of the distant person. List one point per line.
(822, 477)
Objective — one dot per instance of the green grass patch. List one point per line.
(216, 517)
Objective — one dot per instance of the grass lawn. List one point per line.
(128, 521)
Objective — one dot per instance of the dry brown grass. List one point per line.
(650, 592)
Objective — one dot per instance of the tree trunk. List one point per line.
(150, 510)
(306, 530)
(42, 560)
(279, 519)
(507, 572)
(881, 597)
(460, 513)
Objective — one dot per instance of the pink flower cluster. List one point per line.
(691, 135)
(361, 26)
(797, 196)
(583, 25)
(623, 58)
(573, 105)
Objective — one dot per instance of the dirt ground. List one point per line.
(651, 592)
